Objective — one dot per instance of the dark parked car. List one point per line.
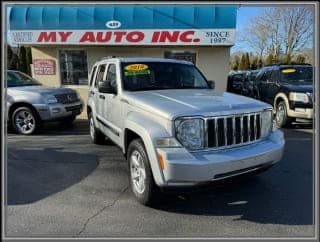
(29, 103)
(235, 82)
(248, 83)
(289, 88)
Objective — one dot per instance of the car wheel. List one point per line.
(96, 135)
(282, 118)
(140, 174)
(25, 121)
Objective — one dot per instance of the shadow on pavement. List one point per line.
(79, 126)
(281, 195)
(33, 174)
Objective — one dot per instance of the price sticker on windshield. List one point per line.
(288, 70)
(136, 67)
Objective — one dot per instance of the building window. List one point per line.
(186, 56)
(73, 67)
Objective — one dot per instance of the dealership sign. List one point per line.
(125, 37)
(44, 67)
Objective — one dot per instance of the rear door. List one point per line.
(109, 104)
(99, 98)
(263, 84)
(273, 86)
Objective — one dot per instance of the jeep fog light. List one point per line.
(266, 123)
(189, 133)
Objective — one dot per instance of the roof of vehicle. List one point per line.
(145, 59)
(289, 65)
(13, 70)
(236, 73)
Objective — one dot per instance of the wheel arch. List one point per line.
(16, 105)
(139, 126)
(278, 98)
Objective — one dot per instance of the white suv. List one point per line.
(175, 130)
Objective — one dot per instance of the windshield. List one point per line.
(297, 74)
(161, 75)
(17, 79)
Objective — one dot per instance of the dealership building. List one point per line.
(66, 40)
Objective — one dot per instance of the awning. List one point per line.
(28, 22)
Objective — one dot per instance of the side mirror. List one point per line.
(105, 87)
(212, 84)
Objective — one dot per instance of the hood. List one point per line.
(192, 102)
(299, 87)
(42, 89)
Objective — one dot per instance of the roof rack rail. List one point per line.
(107, 57)
(291, 64)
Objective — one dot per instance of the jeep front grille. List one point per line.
(67, 98)
(234, 130)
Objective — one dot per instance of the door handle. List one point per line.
(102, 97)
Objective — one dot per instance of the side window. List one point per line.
(111, 75)
(100, 74)
(268, 76)
(92, 75)
(275, 76)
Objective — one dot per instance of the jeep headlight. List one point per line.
(49, 99)
(298, 97)
(266, 123)
(189, 132)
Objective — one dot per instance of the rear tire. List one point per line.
(282, 118)
(96, 135)
(140, 175)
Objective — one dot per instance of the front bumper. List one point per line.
(50, 112)
(183, 168)
(304, 113)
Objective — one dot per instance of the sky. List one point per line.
(243, 16)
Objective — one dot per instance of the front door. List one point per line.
(110, 106)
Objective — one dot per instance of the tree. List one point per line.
(242, 64)
(234, 63)
(247, 61)
(254, 63)
(288, 59)
(297, 27)
(285, 28)
(22, 60)
(256, 35)
(269, 60)
(300, 59)
(260, 63)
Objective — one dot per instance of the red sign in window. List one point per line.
(44, 67)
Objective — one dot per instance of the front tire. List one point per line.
(140, 175)
(282, 118)
(25, 121)
(96, 135)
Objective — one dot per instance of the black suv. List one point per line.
(248, 83)
(235, 82)
(289, 88)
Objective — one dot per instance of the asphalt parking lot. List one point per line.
(60, 184)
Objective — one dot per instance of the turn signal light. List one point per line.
(161, 161)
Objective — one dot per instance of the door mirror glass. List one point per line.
(212, 84)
